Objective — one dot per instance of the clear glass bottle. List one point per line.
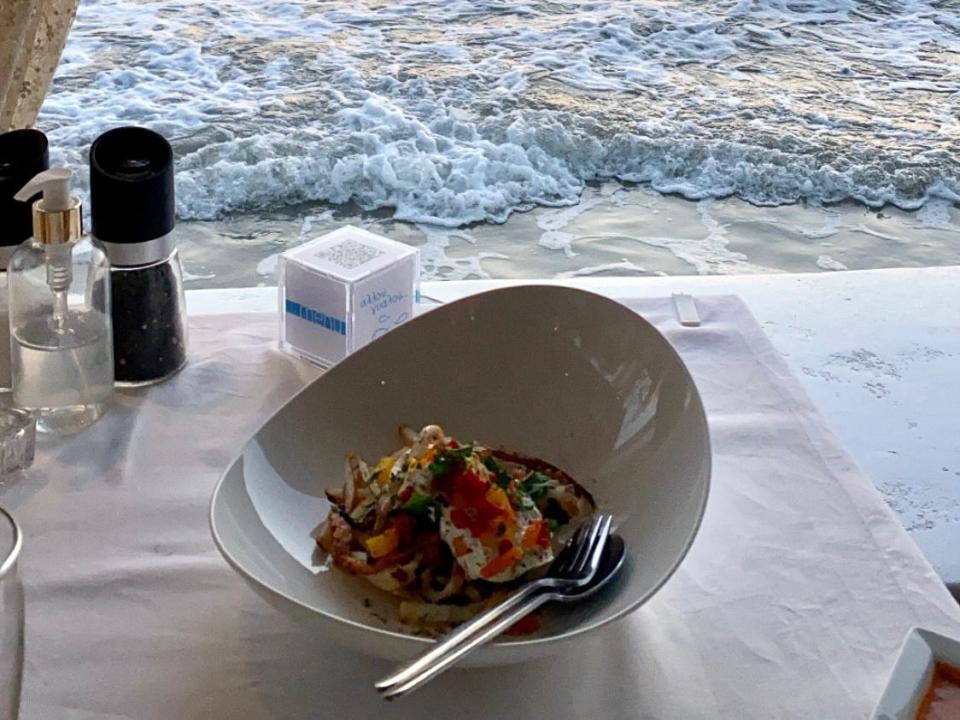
(60, 334)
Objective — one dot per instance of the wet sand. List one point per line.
(613, 231)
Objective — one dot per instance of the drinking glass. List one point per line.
(11, 617)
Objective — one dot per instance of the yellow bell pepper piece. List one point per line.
(384, 543)
(383, 470)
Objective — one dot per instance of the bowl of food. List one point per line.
(925, 681)
(431, 473)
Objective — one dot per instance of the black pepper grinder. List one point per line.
(132, 219)
(23, 154)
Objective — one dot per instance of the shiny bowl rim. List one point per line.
(13, 555)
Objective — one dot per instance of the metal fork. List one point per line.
(573, 568)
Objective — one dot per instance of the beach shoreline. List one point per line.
(614, 230)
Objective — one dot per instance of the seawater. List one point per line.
(453, 116)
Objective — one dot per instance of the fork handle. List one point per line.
(484, 627)
(462, 633)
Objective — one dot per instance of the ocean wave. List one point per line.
(512, 105)
(436, 177)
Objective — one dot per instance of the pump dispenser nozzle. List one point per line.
(56, 216)
(55, 185)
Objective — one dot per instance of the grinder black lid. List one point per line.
(131, 186)
(23, 154)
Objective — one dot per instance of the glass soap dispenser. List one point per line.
(60, 340)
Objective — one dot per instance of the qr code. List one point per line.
(349, 254)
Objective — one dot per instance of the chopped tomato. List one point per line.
(537, 534)
(404, 525)
(459, 518)
(405, 494)
(470, 483)
(460, 547)
(524, 626)
(501, 562)
(476, 504)
(502, 526)
(569, 506)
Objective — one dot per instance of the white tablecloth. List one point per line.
(792, 603)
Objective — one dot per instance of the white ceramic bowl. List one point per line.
(913, 671)
(569, 376)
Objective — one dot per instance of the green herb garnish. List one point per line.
(553, 525)
(536, 485)
(442, 465)
(425, 508)
(501, 479)
(446, 461)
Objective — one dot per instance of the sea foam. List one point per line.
(450, 112)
